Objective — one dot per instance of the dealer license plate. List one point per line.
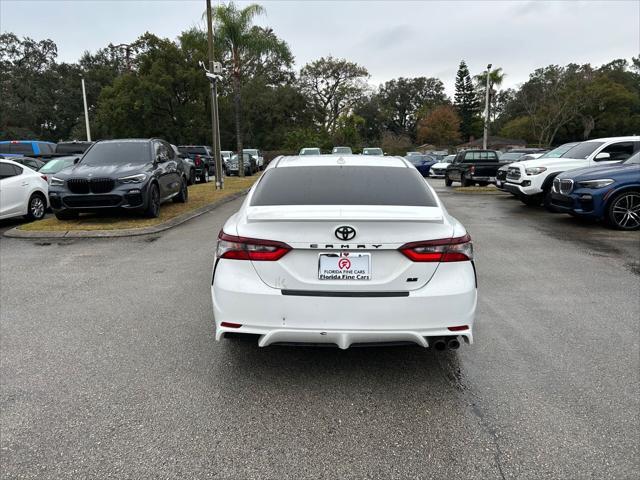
(344, 266)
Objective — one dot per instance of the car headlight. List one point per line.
(139, 178)
(57, 182)
(599, 183)
(535, 170)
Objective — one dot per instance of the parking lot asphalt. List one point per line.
(109, 366)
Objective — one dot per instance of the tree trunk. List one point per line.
(237, 105)
(588, 124)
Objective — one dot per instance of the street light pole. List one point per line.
(215, 127)
(86, 111)
(486, 111)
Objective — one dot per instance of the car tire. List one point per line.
(204, 178)
(531, 200)
(447, 181)
(36, 207)
(623, 210)
(183, 194)
(464, 182)
(192, 177)
(483, 184)
(153, 202)
(67, 214)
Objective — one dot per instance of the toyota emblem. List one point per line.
(345, 232)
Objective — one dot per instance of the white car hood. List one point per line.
(552, 163)
(440, 165)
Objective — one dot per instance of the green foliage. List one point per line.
(441, 127)
(393, 144)
(402, 101)
(347, 131)
(575, 102)
(298, 138)
(519, 128)
(466, 102)
(334, 87)
(154, 87)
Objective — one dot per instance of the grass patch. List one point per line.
(489, 189)
(199, 195)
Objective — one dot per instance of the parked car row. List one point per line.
(609, 193)
(130, 174)
(597, 179)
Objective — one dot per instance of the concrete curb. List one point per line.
(126, 232)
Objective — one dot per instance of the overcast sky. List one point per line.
(390, 38)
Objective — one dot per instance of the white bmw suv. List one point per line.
(344, 250)
(532, 180)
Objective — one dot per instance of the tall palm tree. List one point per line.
(496, 77)
(233, 29)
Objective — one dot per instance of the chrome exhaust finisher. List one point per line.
(439, 344)
(453, 343)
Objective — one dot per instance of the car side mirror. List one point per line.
(602, 156)
(76, 160)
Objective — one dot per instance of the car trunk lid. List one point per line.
(311, 232)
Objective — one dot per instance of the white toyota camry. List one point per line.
(348, 250)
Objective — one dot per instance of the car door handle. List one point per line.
(25, 184)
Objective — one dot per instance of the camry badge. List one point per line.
(345, 232)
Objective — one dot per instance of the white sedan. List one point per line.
(23, 192)
(347, 250)
(438, 170)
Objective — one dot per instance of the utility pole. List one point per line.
(214, 103)
(86, 110)
(486, 111)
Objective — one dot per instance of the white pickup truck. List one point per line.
(531, 180)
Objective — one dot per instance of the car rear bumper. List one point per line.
(483, 179)
(241, 298)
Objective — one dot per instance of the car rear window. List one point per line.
(342, 185)
(118, 153)
(72, 147)
(193, 150)
(481, 156)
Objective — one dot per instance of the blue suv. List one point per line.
(610, 193)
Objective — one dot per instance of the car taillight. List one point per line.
(472, 169)
(197, 161)
(458, 249)
(241, 248)
(44, 177)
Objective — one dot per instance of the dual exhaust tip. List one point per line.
(443, 343)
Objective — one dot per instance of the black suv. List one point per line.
(135, 174)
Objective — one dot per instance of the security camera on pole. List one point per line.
(214, 74)
(486, 110)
